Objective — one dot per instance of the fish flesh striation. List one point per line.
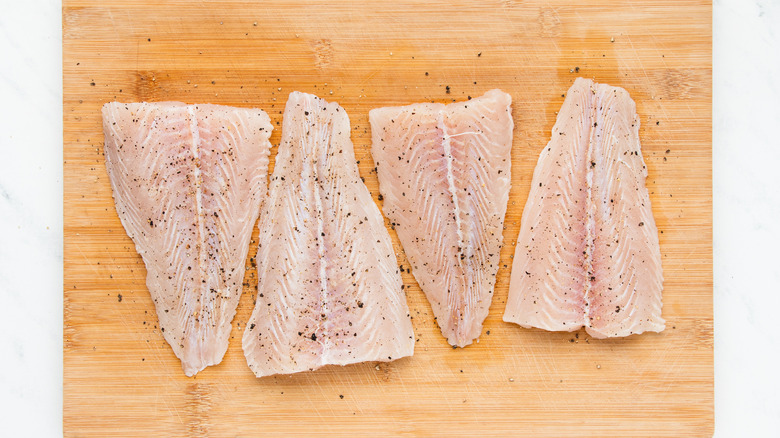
(188, 182)
(329, 289)
(444, 174)
(588, 253)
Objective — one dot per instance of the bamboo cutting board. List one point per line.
(122, 379)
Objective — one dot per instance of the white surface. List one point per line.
(746, 168)
(747, 208)
(30, 218)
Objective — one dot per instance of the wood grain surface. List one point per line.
(122, 379)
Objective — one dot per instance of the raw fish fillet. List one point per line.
(444, 172)
(188, 181)
(329, 290)
(587, 254)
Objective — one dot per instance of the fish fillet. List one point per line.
(188, 181)
(329, 290)
(588, 254)
(444, 173)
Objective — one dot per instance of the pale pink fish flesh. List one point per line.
(188, 181)
(329, 289)
(588, 254)
(444, 173)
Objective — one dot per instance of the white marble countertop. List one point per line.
(746, 58)
(746, 198)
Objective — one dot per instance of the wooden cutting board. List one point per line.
(122, 379)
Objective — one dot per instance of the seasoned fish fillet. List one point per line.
(329, 290)
(188, 181)
(588, 254)
(444, 172)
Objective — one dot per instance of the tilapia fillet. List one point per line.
(444, 172)
(188, 181)
(329, 290)
(588, 253)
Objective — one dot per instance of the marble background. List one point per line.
(30, 218)
(746, 190)
(746, 161)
